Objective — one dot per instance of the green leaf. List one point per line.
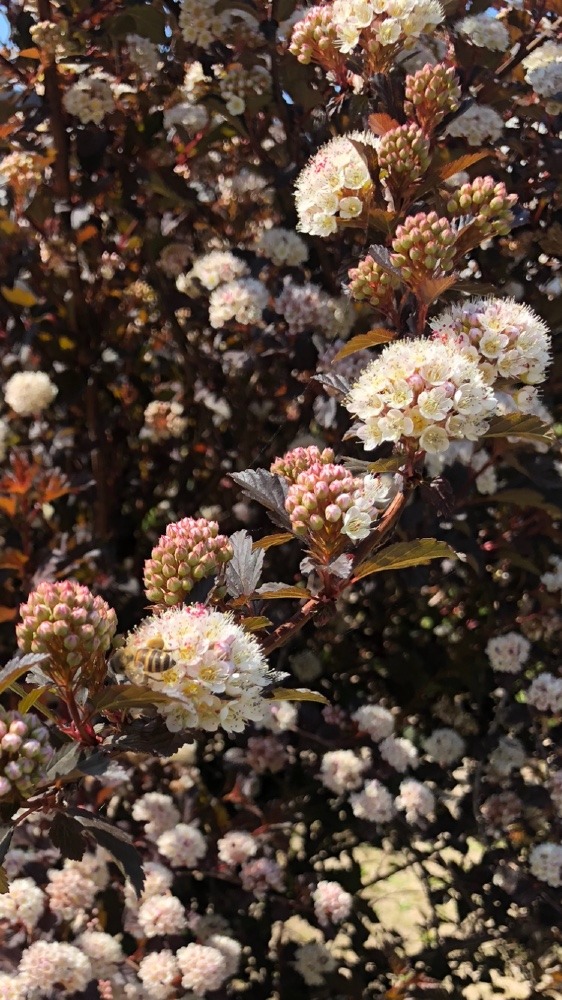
(31, 698)
(463, 163)
(297, 694)
(120, 697)
(140, 19)
(404, 554)
(282, 591)
(391, 464)
(270, 540)
(521, 425)
(19, 296)
(363, 341)
(255, 624)
(524, 498)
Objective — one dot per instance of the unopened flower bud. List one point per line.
(368, 282)
(423, 246)
(431, 93)
(487, 203)
(403, 156)
(190, 550)
(299, 460)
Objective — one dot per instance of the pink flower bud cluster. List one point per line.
(24, 754)
(423, 246)
(299, 460)
(368, 282)
(189, 551)
(330, 506)
(489, 204)
(315, 39)
(431, 93)
(65, 621)
(403, 156)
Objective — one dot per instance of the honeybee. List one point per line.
(151, 660)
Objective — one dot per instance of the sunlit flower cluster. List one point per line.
(389, 22)
(326, 502)
(237, 84)
(485, 31)
(545, 862)
(332, 904)
(543, 71)
(29, 393)
(506, 338)
(422, 393)
(218, 673)
(283, 247)
(91, 98)
(242, 301)
(478, 124)
(199, 24)
(336, 185)
(213, 269)
(164, 419)
(545, 693)
(144, 54)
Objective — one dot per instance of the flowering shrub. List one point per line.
(274, 667)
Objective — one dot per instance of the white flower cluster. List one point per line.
(545, 862)
(399, 752)
(416, 800)
(164, 419)
(91, 98)
(375, 720)
(283, 247)
(173, 259)
(236, 847)
(191, 117)
(509, 755)
(426, 393)
(478, 124)
(218, 672)
(261, 875)
(195, 82)
(158, 811)
(242, 301)
(341, 770)
(70, 892)
(485, 31)
(332, 904)
(508, 653)
(144, 54)
(24, 903)
(555, 789)
(445, 746)
(389, 21)
(213, 269)
(29, 393)
(308, 307)
(184, 845)
(238, 83)
(552, 579)
(160, 915)
(507, 339)
(199, 24)
(374, 803)
(46, 964)
(545, 693)
(487, 481)
(314, 962)
(335, 185)
(544, 71)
